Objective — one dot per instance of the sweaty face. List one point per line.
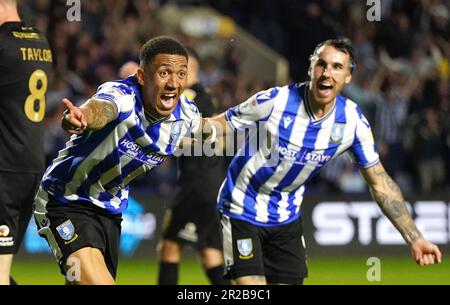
(329, 72)
(163, 82)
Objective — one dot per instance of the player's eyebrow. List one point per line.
(171, 65)
(321, 61)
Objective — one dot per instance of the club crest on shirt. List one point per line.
(67, 231)
(337, 133)
(245, 248)
(175, 131)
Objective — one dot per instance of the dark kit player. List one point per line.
(25, 63)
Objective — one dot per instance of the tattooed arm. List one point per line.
(390, 199)
(92, 115)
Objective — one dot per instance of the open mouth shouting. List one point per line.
(324, 88)
(168, 100)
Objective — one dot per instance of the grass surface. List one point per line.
(322, 271)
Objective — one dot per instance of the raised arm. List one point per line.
(92, 115)
(254, 109)
(390, 199)
(214, 126)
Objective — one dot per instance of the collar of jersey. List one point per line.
(309, 111)
(152, 120)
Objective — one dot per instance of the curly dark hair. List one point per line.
(161, 45)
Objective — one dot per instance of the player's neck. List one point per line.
(9, 15)
(153, 116)
(320, 109)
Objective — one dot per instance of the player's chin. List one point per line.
(165, 111)
(324, 100)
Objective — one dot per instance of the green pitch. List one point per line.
(323, 271)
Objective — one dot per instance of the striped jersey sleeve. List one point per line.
(118, 94)
(363, 150)
(256, 108)
(195, 118)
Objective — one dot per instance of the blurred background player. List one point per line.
(25, 64)
(193, 219)
(128, 69)
(310, 123)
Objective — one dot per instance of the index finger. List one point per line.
(68, 104)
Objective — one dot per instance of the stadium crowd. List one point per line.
(401, 80)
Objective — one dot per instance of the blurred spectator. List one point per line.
(429, 149)
(129, 68)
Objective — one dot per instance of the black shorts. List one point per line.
(17, 192)
(68, 228)
(193, 220)
(278, 253)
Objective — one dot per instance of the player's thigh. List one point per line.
(26, 209)
(183, 221)
(111, 226)
(210, 235)
(170, 251)
(5, 268)
(284, 254)
(87, 266)
(69, 228)
(211, 258)
(210, 244)
(242, 249)
(16, 192)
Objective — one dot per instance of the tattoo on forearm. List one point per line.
(389, 197)
(412, 234)
(100, 114)
(396, 209)
(392, 185)
(391, 207)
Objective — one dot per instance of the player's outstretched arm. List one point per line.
(390, 199)
(92, 115)
(216, 125)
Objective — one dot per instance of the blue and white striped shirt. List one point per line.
(265, 183)
(97, 166)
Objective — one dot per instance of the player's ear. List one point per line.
(140, 75)
(310, 65)
(348, 78)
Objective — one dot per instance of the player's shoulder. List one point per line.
(350, 105)
(118, 87)
(187, 111)
(187, 106)
(279, 92)
(8, 27)
(22, 32)
(352, 109)
(119, 92)
(268, 94)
